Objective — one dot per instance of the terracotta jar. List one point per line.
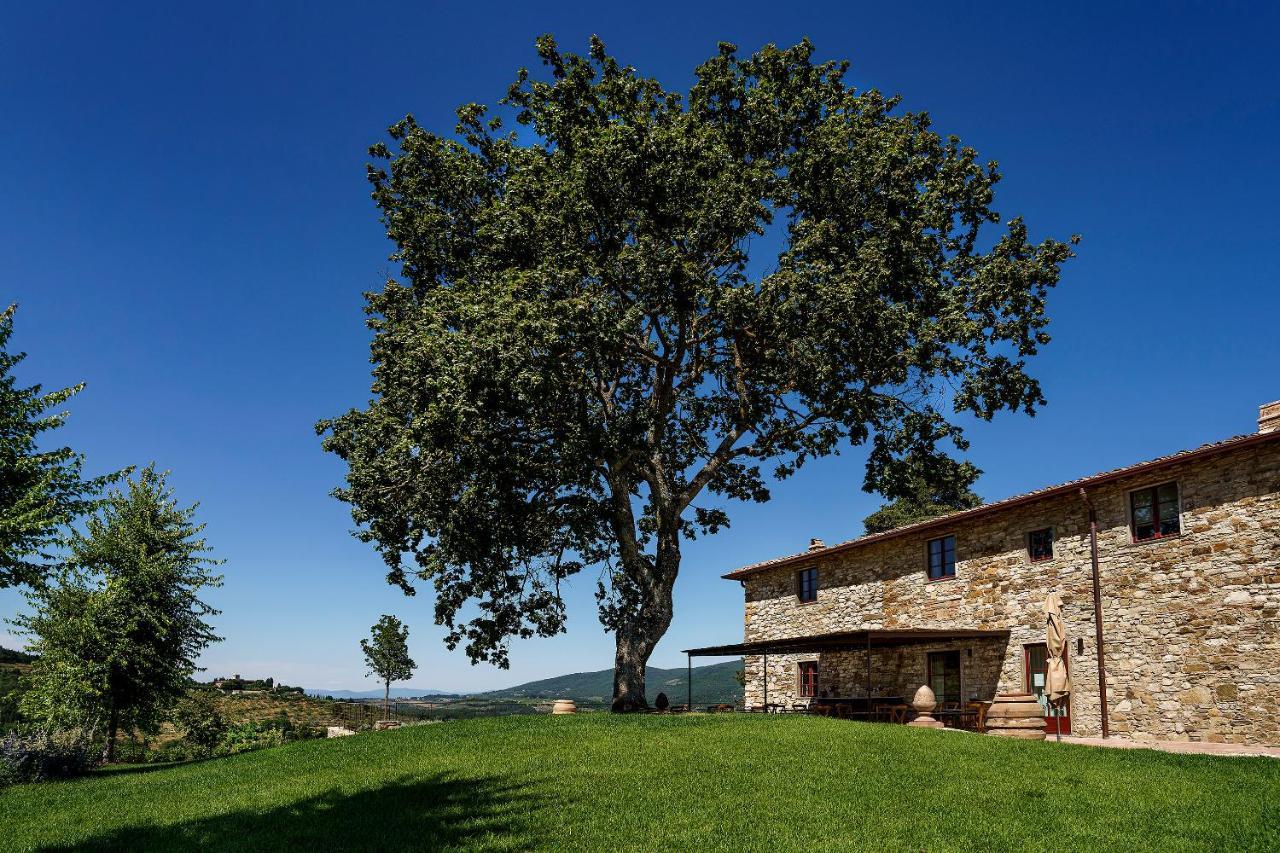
(564, 706)
(1016, 715)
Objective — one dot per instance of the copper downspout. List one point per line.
(1097, 612)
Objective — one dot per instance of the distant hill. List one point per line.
(11, 656)
(12, 666)
(396, 693)
(712, 684)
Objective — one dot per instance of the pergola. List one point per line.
(840, 641)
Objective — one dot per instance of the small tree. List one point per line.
(41, 491)
(387, 654)
(119, 633)
(198, 718)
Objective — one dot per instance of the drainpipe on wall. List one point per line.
(1097, 612)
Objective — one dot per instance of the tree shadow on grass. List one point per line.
(131, 769)
(439, 812)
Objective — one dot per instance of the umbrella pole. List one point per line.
(1057, 722)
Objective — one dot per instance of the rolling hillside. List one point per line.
(712, 684)
(12, 656)
(13, 665)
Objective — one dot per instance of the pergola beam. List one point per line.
(848, 641)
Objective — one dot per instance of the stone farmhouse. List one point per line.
(1169, 571)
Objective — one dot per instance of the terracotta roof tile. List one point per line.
(1006, 503)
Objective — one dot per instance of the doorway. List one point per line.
(944, 678)
(1036, 657)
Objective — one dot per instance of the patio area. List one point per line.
(863, 675)
(1183, 747)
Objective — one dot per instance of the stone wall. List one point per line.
(895, 672)
(1191, 622)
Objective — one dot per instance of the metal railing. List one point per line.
(363, 715)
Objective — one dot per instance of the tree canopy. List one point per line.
(645, 304)
(42, 490)
(921, 498)
(118, 635)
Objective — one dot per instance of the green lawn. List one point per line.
(598, 782)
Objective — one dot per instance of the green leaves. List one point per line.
(387, 651)
(123, 626)
(42, 490)
(922, 484)
(586, 354)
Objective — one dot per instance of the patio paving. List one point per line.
(1182, 746)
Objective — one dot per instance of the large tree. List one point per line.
(118, 636)
(42, 489)
(642, 305)
(387, 654)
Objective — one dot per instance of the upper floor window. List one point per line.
(807, 585)
(942, 558)
(807, 670)
(1040, 544)
(1153, 512)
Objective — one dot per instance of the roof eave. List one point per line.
(1009, 503)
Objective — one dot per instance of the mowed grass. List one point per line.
(599, 782)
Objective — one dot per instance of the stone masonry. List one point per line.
(1191, 623)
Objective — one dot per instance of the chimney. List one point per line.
(1269, 417)
(818, 544)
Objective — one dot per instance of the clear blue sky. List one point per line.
(185, 222)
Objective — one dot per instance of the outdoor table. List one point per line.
(955, 718)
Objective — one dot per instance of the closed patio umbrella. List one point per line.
(1057, 684)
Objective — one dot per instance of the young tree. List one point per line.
(926, 491)
(119, 634)
(644, 299)
(41, 491)
(387, 654)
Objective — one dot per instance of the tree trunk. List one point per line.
(647, 586)
(629, 662)
(386, 702)
(636, 640)
(113, 726)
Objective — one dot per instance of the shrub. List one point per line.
(42, 756)
(199, 720)
(306, 733)
(249, 736)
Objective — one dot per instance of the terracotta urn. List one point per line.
(564, 706)
(1016, 715)
(924, 702)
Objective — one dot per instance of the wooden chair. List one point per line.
(898, 714)
(980, 720)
